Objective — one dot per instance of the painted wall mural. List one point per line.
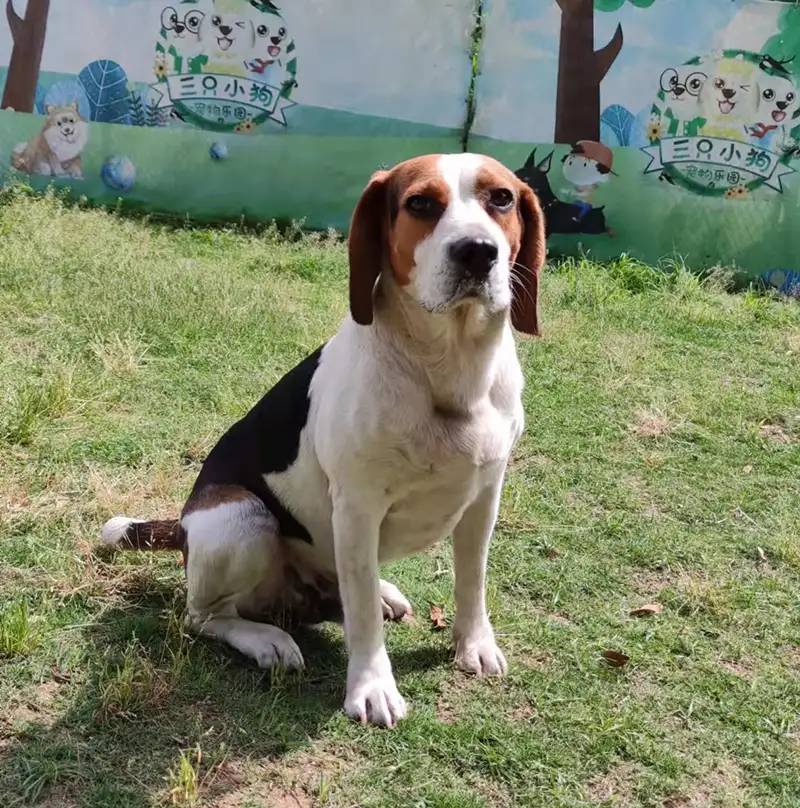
(660, 128)
(228, 108)
(657, 128)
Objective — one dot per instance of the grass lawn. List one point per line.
(660, 465)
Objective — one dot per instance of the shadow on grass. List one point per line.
(138, 692)
(142, 691)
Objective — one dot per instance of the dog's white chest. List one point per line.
(438, 482)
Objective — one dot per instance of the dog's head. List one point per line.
(271, 35)
(229, 33)
(778, 98)
(181, 28)
(452, 230)
(64, 123)
(731, 91)
(682, 85)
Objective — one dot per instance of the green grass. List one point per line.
(659, 465)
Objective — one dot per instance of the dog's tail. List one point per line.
(135, 534)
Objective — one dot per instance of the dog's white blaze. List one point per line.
(464, 217)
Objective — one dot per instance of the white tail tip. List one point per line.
(114, 529)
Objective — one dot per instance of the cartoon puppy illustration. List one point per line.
(182, 32)
(588, 165)
(227, 37)
(270, 42)
(181, 29)
(681, 87)
(56, 149)
(777, 100)
(729, 99)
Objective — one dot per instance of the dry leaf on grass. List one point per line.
(552, 553)
(438, 618)
(648, 610)
(615, 659)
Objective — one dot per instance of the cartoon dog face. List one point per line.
(730, 94)
(682, 85)
(271, 33)
(777, 99)
(64, 125)
(227, 34)
(181, 28)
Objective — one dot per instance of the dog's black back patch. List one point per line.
(265, 441)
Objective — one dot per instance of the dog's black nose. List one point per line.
(275, 40)
(728, 93)
(475, 256)
(781, 105)
(225, 29)
(179, 28)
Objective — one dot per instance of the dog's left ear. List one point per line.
(367, 246)
(528, 264)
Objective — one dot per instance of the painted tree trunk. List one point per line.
(581, 69)
(26, 55)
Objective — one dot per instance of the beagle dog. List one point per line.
(392, 436)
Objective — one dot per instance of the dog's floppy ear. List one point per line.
(528, 264)
(367, 246)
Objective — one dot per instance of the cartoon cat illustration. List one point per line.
(56, 149)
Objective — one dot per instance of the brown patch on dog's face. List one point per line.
(516, 210)
(499, 192)
(417, 197)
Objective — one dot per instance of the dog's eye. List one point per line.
(216, 20)
(281, 32)
(192, 21)
(719, 83)
(769, 94)
(262, 30)
(168, 18)
(501, 198)
(420, 205)
(789, 97)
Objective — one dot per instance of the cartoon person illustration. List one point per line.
(778, 99)
(729, 99)
(587, 166)
(681, 87)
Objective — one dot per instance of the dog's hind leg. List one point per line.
(233, 557)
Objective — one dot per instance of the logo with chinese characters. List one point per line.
(225, 65)
(725, 124)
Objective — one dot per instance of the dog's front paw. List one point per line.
(373, 698)
(477, 652)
